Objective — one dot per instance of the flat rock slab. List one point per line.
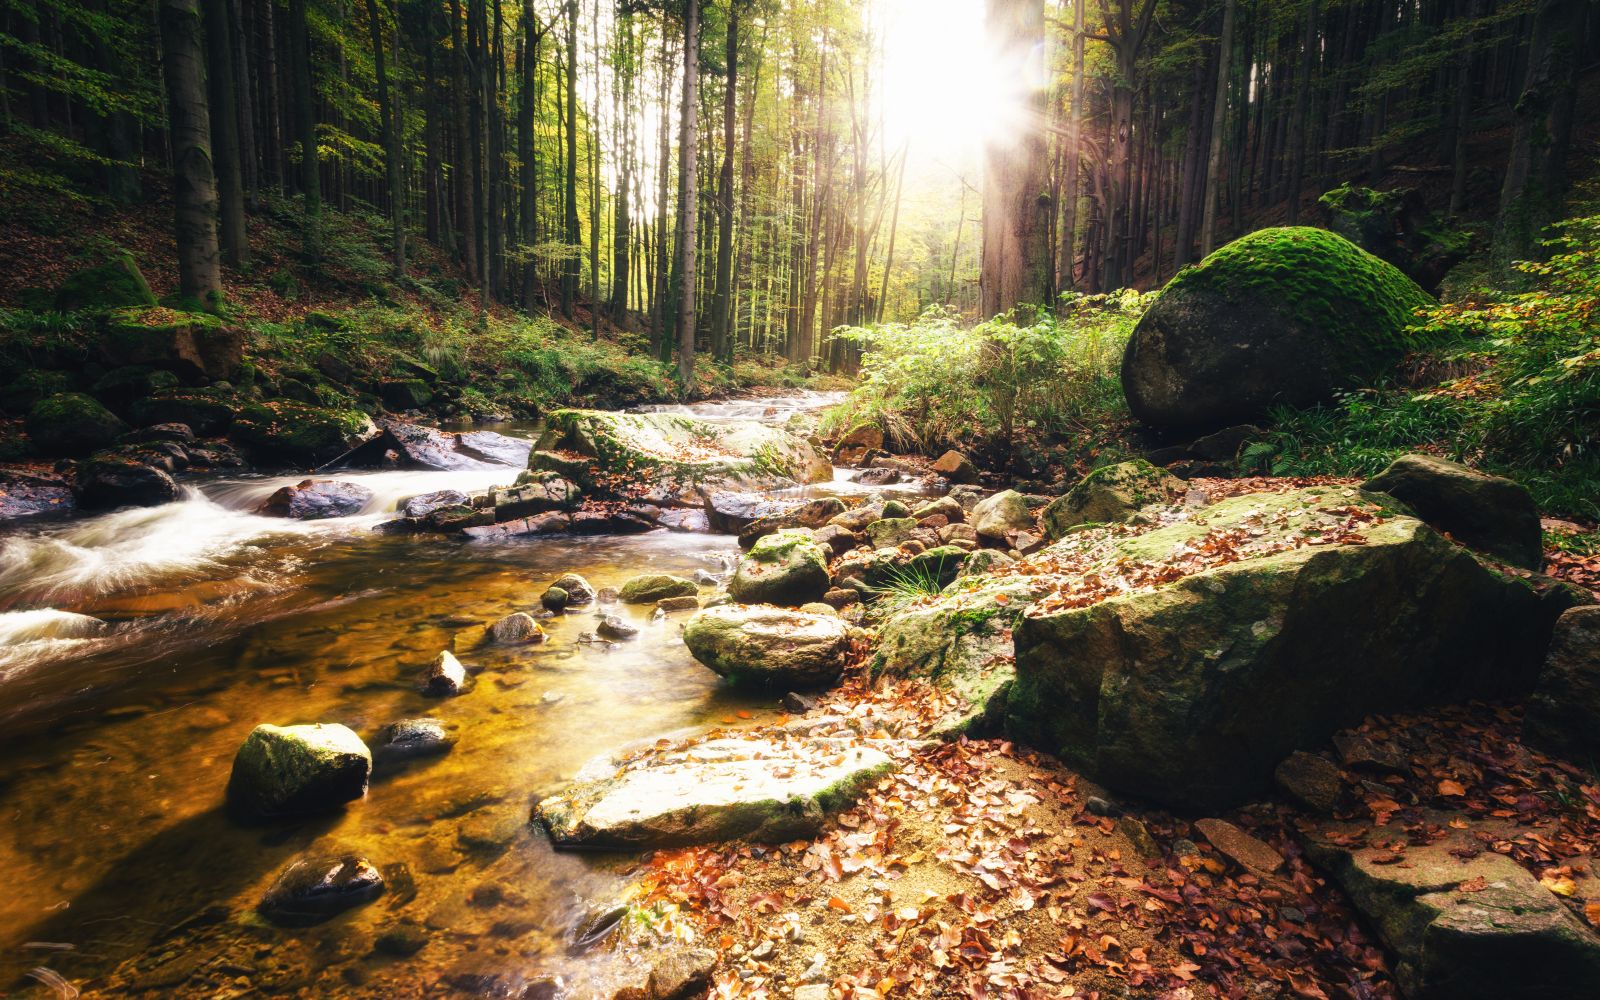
(1463, 928)
(768, 790)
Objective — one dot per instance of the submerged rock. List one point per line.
(762, 644)
(647, 588)
(1283, 316)
(283, 771)
(309, 891)
(1488, 513)
(614, 627)
(316, 499)
(409, 738)
(751, 789)
(786, 567)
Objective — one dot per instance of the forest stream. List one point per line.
(112, 830)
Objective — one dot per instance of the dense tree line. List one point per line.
(718, 172)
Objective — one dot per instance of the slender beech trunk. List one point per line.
(1016, 253)
(194, 188)
(225, 156)
(570, 257)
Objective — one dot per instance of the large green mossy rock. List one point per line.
(277, 430)
(1397, 226)
(1109, 495)
(113, 285)
(196, 346)
(1282, 316)
(674, 457)
(283, 771)
(648, 588)
(752, 789)
(71, 423)
(769, 646)
(1237, 633)
(786, 567)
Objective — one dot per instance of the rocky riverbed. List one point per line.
(343, 737)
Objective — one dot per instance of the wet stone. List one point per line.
(579, 591)
(309, 891)
(516, 629)
(613, 627)
(296, 771)
(554, 598)
(445, 677)
(1240, 846)
(409, 738)
(427, 503)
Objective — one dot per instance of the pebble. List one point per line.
(613, 627)
(1102, 807)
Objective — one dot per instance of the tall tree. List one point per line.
(688, 200)
(391, 147)
(194, 188)
(571, 252)
(721, 341)
(1016, 212)
(224, 113)
(305, 100)
(1219, 113)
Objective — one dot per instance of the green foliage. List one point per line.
(903, 586)
(935, 383)
(1521, 396)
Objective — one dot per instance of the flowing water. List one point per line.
(116, 741)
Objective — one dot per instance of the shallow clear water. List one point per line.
(115, 746)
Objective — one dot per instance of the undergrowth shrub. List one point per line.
(1523, 398)
(936, 383)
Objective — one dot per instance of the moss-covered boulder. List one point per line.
(118, 478)
(1281, 316)
(27, 389)
(1182, 662)
(120, 388)
(676, 458)
(764, 645)
(1489, 513)
(648, 588)
(196, 346)
(276, 430)
(71, 423)
(405, 394)
(786, 567)
(115, 284)
(205, 411)
(764, 790)
(959, 641)
(1108, 495)
(1399, 227)
(283, 771)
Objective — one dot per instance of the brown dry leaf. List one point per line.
(1473, 885)
(1591, 912)
(1452, 788)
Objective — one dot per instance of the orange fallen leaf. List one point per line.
(835, 903)
(1448, 787)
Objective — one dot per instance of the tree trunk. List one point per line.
(721, 342)
(194, 188)
(224, 109)
(1016, 208)
(1219, 116)
(1067, 236)
(391, 147)
(306, 121)
(688, 206)
(574, 239)
(1531, 197)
